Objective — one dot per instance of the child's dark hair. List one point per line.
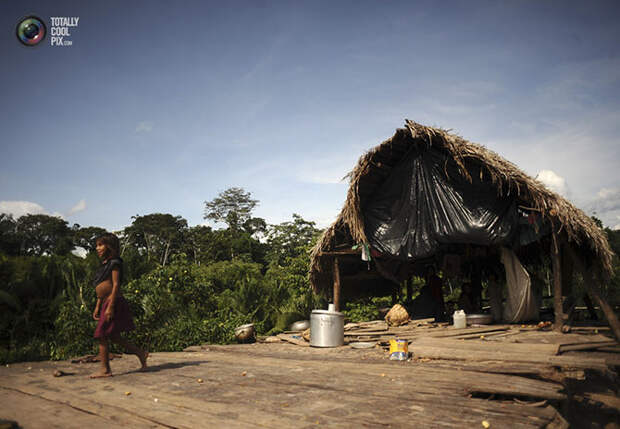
(112, 244)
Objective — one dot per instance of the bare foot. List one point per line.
(143, 357)
(101, 374)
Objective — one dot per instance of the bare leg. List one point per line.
(134, 350)
(104, 357)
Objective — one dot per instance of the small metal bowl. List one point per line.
(245, 332)
(300, 325)
(479, 319)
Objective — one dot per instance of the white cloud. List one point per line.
(324, 221)
(609, 198)
(20, 208)
(80, 206)
(144, 127)
(553, 181)
(606, 206)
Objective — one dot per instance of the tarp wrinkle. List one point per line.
(425, 202)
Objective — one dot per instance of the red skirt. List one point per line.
(122, 320)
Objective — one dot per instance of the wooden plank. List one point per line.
(586, 346)
(489, 346)
(484, 334)
(441, 381)
(366, 333)
(61, 401)
(589, 328)
(499, 367)
(459, 332)
(610, 401)
(297, 341)
(34, 411)
(435, 352)
(615, 349)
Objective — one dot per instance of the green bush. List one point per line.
(366, 309)
(73, 331)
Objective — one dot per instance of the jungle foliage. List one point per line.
(185, 285)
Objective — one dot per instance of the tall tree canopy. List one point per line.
(85, 236)
(42, 234)
(9, 240)
(290, 239)
(157, 234)
(233, 207)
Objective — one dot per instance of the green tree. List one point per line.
(85, 237)
(42, 234)
(9, 239)
(233, 207)
(290, 239)
(199, 243)
(157, 234)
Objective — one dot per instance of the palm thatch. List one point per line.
(471, 159)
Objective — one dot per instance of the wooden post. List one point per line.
(557, 284)
(594, 291)
(336, 284)
(590, 305)
(568, 305)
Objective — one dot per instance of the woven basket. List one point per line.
(397, 316)
(306, 334)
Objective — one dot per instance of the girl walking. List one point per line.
(112, 310)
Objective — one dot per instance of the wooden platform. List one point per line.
(284, 385)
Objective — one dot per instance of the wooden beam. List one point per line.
(336, 284)
(557, 284)
(341, 253)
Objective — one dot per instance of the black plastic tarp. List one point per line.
(425, 202)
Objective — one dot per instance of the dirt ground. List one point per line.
(287, 386)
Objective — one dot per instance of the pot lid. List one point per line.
(331, 313)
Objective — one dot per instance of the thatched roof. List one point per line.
(374, 167)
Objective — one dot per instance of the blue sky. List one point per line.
(158, 106)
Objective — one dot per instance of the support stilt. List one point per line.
(557, 284)
(336, 284)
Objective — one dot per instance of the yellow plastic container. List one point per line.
(399, 349)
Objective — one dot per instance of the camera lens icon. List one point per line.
(31, 31)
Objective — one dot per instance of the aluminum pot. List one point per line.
(326, 328)
(245, 332)
(479, 319)
(300, 325)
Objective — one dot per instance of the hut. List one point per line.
(424, 194)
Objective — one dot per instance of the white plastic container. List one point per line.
(460, 319)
